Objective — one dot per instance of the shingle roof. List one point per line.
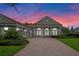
(6, 17)
(47, 18)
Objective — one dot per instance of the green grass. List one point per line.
(9, 50)
(72, 42)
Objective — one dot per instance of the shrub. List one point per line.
(12, 34)
(53, 36)
(61, 36)
(72, 35)
(13, 42)
(1, 36)
(12, 37)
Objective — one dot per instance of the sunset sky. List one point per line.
(66, 14)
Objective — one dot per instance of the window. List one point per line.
(39, 31)
(5, 28)
(17, 29)
(46, 31)
(55, 31)
(25, 30)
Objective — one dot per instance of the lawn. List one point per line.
(72, 42)
(9, 50)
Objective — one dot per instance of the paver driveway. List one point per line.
(47, 47)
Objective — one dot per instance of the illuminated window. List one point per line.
(39, 31)
(46, 31)
(55, 31)
(5, 28)
(25, 30)
(17, 29)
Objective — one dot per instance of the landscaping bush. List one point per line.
(1, 36)
(12, 37)
(61, 36)
(53, 36)
(5, 42)
(12, 34)
(73, 35)
(69, 35)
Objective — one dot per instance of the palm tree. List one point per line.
(14, 5)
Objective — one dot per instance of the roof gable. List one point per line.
(47, 20)
(4, 19)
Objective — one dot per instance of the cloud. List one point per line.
(67, 20)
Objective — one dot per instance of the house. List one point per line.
(45, 27)
(6, 23)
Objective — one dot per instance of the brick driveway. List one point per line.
(46, 47)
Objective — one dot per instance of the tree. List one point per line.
(14, 5)
(65, 30)
(72, 29)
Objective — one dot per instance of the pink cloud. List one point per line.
(65, 20)
(68, 19)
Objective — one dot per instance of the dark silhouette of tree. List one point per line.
(14, 5)
(72, 29)
(65, 30)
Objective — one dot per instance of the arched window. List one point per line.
(46, 31)
(55, 31)
(39, 32)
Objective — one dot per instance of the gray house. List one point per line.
(45, 27)
(7, 23)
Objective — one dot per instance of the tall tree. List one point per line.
(72, 29)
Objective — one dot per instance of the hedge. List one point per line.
(5, 42)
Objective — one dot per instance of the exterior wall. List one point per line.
(43, 32)
(21, 29)
(2, 31)
(46, 22)
(31, 32)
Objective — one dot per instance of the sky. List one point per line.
(65, 13)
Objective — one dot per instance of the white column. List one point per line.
(33, 32)
(42, 31)
(51, 32)
(25, 32)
